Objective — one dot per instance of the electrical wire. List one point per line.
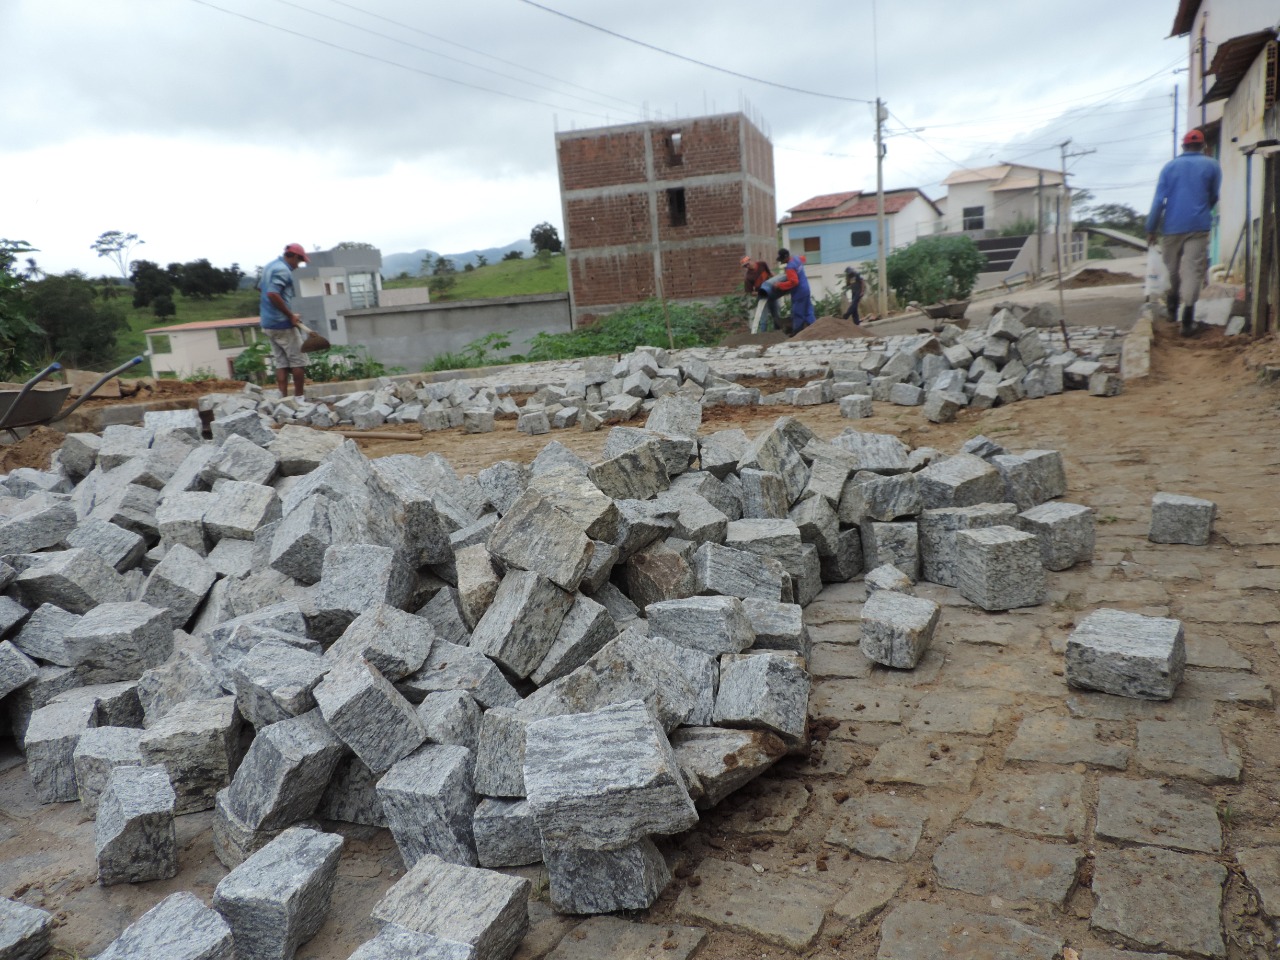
(700, 63)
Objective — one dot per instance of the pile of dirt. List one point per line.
(832, 328)
(1095, 277)
(766, 339)
(34, 450)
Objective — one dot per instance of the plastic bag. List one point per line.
(1157, 283)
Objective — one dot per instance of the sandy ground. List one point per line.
(1202, 424)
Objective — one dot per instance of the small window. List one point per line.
(333, 324)
(160, 343)
(675, 148)
(812, 250)
(342, 287)
(230, 338)
(860, 238)
(328, 290)
(676, 207)
(973, 218)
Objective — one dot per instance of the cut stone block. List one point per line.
(737, 573)
(368, 715)
(179, 927)
(1179, 519)
(243, 423)
(279, 898)
(301, 449)
(121, 548)
(506, 834)
(636, 474)
(877, 452)
(659, 572)
(768, 690)
(893, 543)
(534, 536)
(993, 863)
(450, 666)
(51, 738)
(352, 795)
(1149, 812)
(1000, 568)
(478, 579)
(356, 578)
(23, 702)
(578, 498)
(198, 744)
(284, 774)
(395, 642)
(897, 629)
(1126, 654)
(428, 803)
(1065, 531)
(924, 931)
(714, 625)
(880, 498)
(118, 641)
(451, 905)
(720, 452)
(16, 669)
(75, 580)
(99, 751)
(939, 553)
(941, 406)
(179, 583)
(846, 562)
(451, 717)
(716, 762)
(959, 481)
(180, 518)
(586, 881)
(24, 930)
(585, 629)
(521, 624)
(40, 522)
(604, 780)
(240, 459)
(855, 406)
(764, 495)
(275, 681)
(888, 577)
(240, 509)
(445, 617)
(301, 539)
(1161, 900)
(134, 836)
(778, 626)
(1032, 478)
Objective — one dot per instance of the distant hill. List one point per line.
(394, 264)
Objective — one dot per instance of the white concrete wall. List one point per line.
(1242, 123)
(194, 351)
(1220, 20)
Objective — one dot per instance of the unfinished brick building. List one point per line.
(664, 209)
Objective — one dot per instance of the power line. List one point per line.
(481, 53)
(393, 63)
(435, 53)
(700, 63)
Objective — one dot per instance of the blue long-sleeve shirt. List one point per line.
(1186, 193)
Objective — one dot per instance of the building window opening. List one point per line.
(973, 218)
(675, 148)
(812, 250)
(676, 207)
(860, 238)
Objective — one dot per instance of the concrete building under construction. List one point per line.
(664, 209)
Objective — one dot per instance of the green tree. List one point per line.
(17, 332)
(513, 255)
(545, 237)
(115, 246)
(481, 260)
(79, 327)
(150, 281)
(934, 269)
(163, 306)
(443, 265)
(1116, 216)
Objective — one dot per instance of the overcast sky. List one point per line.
(227, 128)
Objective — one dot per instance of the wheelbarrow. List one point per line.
(29, 406)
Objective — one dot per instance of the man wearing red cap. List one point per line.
(757, 279)
(1182, 211)
(279, 322)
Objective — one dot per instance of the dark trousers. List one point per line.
(852, 312)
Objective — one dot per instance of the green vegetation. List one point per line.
(1022, 227)
(934, 269)
(477, 353)
(642, 323)
(507, 278)
(323, 366)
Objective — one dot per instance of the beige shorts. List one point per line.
(286, 348)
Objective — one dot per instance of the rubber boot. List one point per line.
(1189, 320)
(1171, 306)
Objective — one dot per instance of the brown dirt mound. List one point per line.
(1095, 277)
(831, 328)
(33, 450)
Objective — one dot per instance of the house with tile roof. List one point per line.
(837, 230)
(185, 349)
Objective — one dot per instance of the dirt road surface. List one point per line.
(967, 788)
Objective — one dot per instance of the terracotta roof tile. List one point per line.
(206, 325)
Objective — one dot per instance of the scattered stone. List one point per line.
(717, 762)
(198, 744)
(714, 625)
(1000, 568)
(1127, 654)
(134, 836)
(50, 742)
(99, 751)
(764, 690)
(506, 833)
(395, 642)
(605, 881)
(897, 629)
(367, 713)
(1066, 532)
(1160, 899)
(1179, 519)
(782, 910)
(24, 930)
(428, 803)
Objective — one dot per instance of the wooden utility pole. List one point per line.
(882, 301)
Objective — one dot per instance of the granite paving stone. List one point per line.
(926, 763)
(24, 930)
(872, 886)
(1045, 738)
(927, 931)
(1186, 748)
(618, 939)
(1158, 813)
(880, 826)
(1045, 804)
(1160, 899)
(992, 863)
(1262, 869)
(972, 712)
(179, 927)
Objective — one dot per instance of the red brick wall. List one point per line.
(602, 161)
(611, 278)
(607, 221)
(707, 146)
(712, 210)
(702, 272)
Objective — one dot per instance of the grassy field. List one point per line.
(507, 278)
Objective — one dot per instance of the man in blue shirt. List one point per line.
(1182, 211)
(279, 322)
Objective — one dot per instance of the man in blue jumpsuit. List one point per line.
(1182, 210)
(797, 284)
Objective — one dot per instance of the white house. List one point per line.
(205, 346)
(984, 201)
(836, 230)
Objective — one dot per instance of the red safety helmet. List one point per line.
(1194, 138)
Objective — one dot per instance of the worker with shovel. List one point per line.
(758, 280)
(282, 326)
